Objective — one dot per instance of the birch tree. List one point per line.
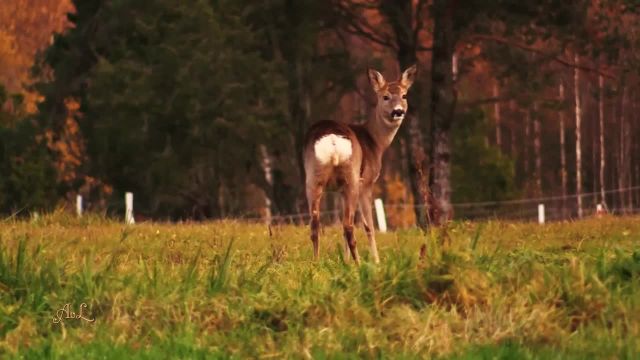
(578, 115)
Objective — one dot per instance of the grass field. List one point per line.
(228, 289)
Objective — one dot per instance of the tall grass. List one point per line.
(231, 289)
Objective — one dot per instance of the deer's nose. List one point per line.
(397, 112)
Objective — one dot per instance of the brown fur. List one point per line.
(358, 174)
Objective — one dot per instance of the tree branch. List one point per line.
(369, 36)
(485, 101)
(560, 60)
(416, 32)
(360, 27)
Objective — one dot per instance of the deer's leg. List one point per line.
(366, 210)
(314, 195)
(350, 196)
(315, 180)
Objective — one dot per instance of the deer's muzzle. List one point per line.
(397, 114)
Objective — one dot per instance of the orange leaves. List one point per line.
(26, 27)
(70, 153)
(397, 197)
(10, 60)
(67, 144)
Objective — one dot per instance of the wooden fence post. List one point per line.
(382, 220)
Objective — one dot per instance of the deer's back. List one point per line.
(365, 148)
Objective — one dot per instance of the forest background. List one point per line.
(199, 108)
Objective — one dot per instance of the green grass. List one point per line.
(229, 290)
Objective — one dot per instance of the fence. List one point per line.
(540, 209)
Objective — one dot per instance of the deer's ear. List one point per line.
(376, 79)
(408, 76)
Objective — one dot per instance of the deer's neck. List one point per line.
(381, 132)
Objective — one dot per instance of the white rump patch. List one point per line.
(332, 149)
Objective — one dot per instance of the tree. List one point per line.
(481, 173)
(603, 200)
(165, 110)
(443, 102)
(316, 69)
(24, 161)
(563, 151)
(26, 27)
(398, 27)
(578, 113)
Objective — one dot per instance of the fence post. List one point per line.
(128, 214)
(540, 213)
(599, 211)
(79, 205)
(382, 220)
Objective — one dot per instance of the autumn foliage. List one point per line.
(27, 27)
(186, 104)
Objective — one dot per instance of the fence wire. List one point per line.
(557, 208)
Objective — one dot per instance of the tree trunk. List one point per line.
(563, 155)
(399, 13)
(415, 161)
(578, 112)
(603, 200)
(496, 109)
(637, 179)
(514, 149)
(265, 163)
(622, 163)
(443, 100)
(637, 192)
(594, 162)
(627, 157)
(536, 149)
(525, 144)
(636, 159)
(613, 158)
(298, 108)
(222, 199)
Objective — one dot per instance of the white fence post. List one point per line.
(599, 211)
(540, 213)
(128, 215)
(382, 220)
(79, 205)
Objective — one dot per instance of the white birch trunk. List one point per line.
(268, 176)
(602, 154)
(525, 142)
(536, 148)
(563, 152)
(512, 108)
(496, 109)
(622, 162)
(578, 112)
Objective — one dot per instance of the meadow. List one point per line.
(227, 289)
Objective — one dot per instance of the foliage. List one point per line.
(25, 28)
(479, 171)
(499, 290)
(176, 99)
(25, 163)
(169, 92)
(184, 103)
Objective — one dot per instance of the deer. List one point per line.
(350, 156)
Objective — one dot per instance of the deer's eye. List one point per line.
(386, 97)
(404, 96)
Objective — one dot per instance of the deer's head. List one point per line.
(392, 96)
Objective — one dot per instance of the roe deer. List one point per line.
(351, 157)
